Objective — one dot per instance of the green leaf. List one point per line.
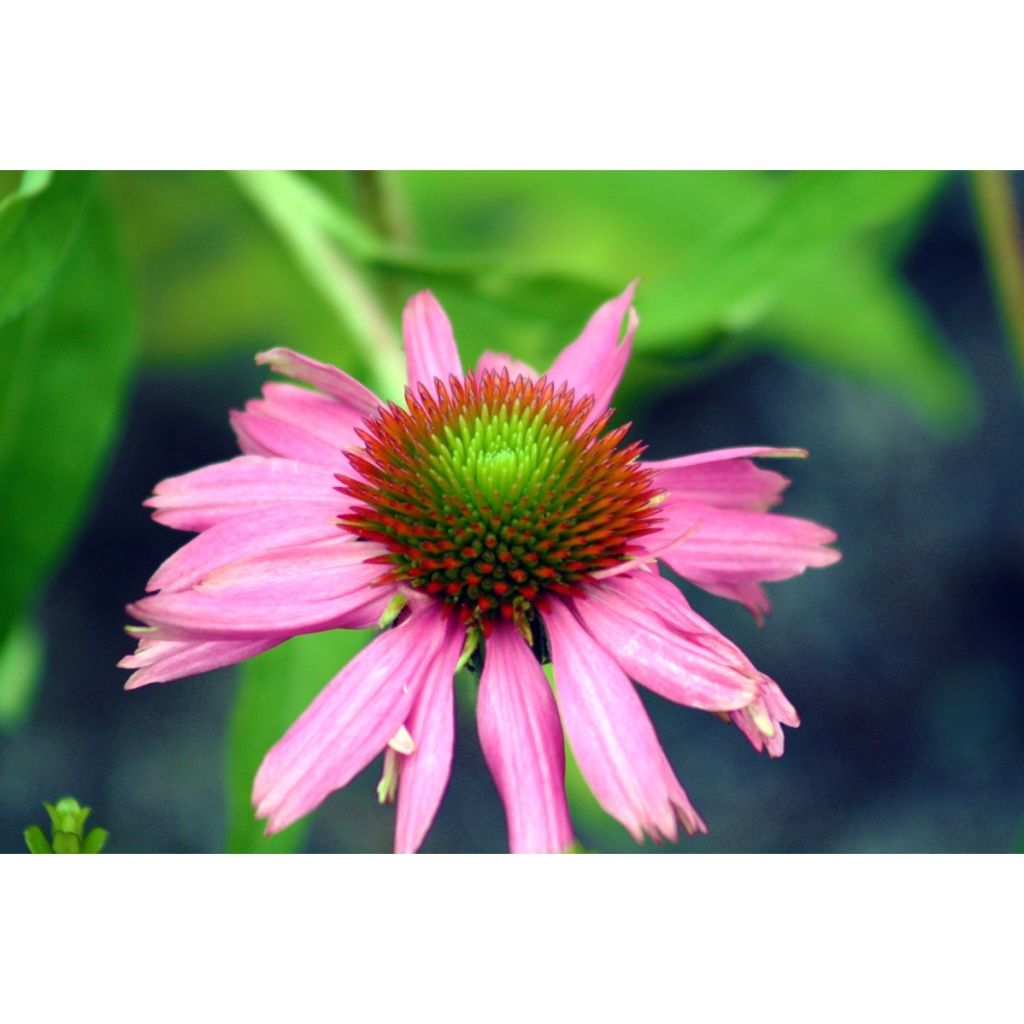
(38, 224)
(274, 689)
(21, 663)
(36, 841)
(95, 841)
(738, 273)
(66, 360)
(864, 323)
(802, 259)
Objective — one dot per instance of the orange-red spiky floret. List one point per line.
(488, 491)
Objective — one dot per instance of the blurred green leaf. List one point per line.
(274, 689)
(95, 841)
(67, 359)
(36, 841)
(867, 325)
(737, 273)
(214, 278)
(38, 223)
(21, 663)
(802, 259)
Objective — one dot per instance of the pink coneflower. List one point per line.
(494, 516)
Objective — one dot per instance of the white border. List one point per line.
(589, 938)
(898, 83)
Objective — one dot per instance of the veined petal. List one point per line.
(678, 667)
(161, 661)
(430, 349)
(732, 482)
(243, 536)
(522, 743)
(731, 546)
(423, 774)
(292, 590)
(347, 390)
(351, 720)
(611, 735)
(657, 596)
(498, 361)
(204, 497)
(593, 364)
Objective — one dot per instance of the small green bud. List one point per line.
(67, 828)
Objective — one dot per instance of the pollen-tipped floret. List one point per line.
(489, 491)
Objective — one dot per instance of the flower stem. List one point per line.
(299, 219)
(1004, 245)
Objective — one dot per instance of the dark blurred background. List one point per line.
(904, 660)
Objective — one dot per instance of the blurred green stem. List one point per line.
(288, 210)
(386, 205)
(1000, 229)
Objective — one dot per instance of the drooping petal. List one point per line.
(161, 661)
(423, 774)
(673, 664)
(761, 718)
(593, 364)
(522, 743)
(611, 735)
(347, 390)
(732, 482)
(657, 596)
(304, 589)
(498, 361)
(243, 536)
(728, 546)
(761, 721)
(351, 720)
(430, 349)
(204, 497)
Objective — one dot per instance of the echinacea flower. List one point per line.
(493, 515)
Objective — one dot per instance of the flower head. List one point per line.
(493, 513)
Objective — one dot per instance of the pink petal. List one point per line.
(731, 546)
(522, 743)
(204, 497)
(303, 589)
(498, 361)
(430, 348)
(243, 536)
(659, 597)
(319, 415)
(728, 454)
(423, 774)
(263, 435)
(762, 721)
(734, 483)
(677, 666)
(593, 364)
(611, 735)
(352, 719)
(347, 390)
(747, 593)
(160, 661)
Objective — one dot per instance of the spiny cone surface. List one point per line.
(490, 491)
